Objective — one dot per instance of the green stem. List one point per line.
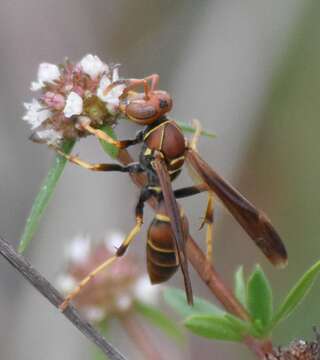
(190, 129)
(43, 197)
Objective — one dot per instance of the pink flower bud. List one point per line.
(53, 100)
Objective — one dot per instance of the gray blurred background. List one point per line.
(247, 69)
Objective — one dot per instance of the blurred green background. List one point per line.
(248, 70)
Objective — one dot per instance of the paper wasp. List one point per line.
(163, 154)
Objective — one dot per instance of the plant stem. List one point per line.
(140, 337)
(49, 292)
(213, 280)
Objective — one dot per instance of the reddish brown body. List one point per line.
(168, 139)
(162, 156)
(162, 258)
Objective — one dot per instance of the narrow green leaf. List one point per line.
(241, 326)
(190, 129)
(260, 299)
(240, 288)
(160, 320)
(213, 327)
(296, 294)
(43, 197)
(176, 298)
(111, 150)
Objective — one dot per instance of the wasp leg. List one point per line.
(120, 144)
(209, 214)
(208, 220)
(131, 168)
(144, 195)
(195, 138)
(190, 190)
(134, 83)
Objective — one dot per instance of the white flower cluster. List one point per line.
(122, 283)
(66, 91)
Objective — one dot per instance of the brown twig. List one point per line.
(140, 338)
(207, 272)
(49, 292)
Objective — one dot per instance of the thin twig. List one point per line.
(49, 292)
(206, 271)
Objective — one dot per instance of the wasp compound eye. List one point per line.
(163, 104)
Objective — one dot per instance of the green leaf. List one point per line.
(260, 298)
(190, 129)
(214, 327)
(111, 150)
(297, 293)
(43, 197)
(240, 288)
(160, 320)
(240, 325)
(176, 298)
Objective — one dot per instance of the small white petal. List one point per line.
(124, 302)
(79, 249)
(144, 291)
(113, 240)
(46, 73)
(93, 66)
(35, 86)
(51, 136)
(93, 313)
(65, 284)
(74, 105)
(35, 114)
(115, 74)
(104, 83)
(112, 98)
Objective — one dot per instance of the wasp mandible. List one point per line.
(163, 154)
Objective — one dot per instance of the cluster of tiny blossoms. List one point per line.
(68, 92)
(113, 291)
(298, 350)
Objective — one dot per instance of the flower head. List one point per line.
(69, 91)
(111, 292)
(298, 349)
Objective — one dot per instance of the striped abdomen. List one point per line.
(162, 260)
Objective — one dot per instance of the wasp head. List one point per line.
(144, 109)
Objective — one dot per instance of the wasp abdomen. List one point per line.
(162, 259)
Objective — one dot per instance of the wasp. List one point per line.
(163, 154)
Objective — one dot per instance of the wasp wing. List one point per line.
(172, 210)
(253, 221)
